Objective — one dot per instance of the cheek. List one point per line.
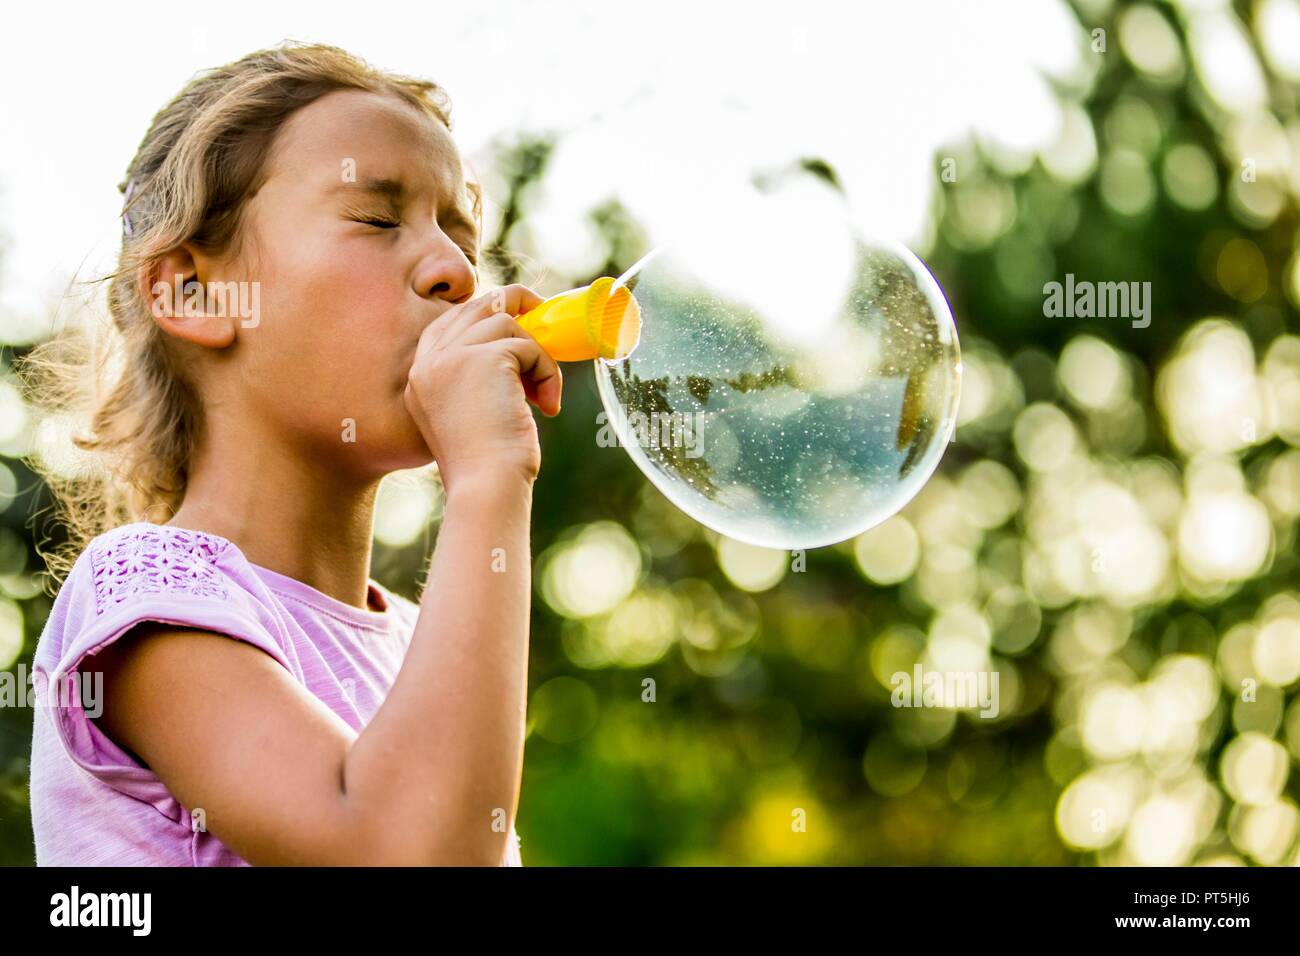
(338, 309)
(336, 340)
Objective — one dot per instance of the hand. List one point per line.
(475, 371)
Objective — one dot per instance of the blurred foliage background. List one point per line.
(1113, 530)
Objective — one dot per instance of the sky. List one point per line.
(671, 107)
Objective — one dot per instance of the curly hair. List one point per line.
(135, 418)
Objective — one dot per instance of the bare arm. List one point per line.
(445, 752)
(284, 781)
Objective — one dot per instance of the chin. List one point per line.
(409, 452)
(380, 466)
(376, 451)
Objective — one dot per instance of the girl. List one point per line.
(264, 701)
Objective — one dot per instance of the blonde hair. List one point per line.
(204, 155)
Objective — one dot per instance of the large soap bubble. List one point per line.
(796, 381)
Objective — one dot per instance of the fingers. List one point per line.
(542, 379)
(514, 299)
(489, 322)
(499, 326)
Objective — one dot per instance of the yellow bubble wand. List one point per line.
(601, 320)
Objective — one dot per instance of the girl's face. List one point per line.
(362, 234)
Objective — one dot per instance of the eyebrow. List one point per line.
(389, 188)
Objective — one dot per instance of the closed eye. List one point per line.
(387, 222)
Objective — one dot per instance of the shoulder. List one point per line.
(145, 558)
(147, 572)
(144, 574)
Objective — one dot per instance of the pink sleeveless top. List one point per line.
(95, 805)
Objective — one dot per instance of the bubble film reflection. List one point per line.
(780, 427)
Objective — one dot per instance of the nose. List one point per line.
(445, 271)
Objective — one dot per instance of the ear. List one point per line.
(178, 300)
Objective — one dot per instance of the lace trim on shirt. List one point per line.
(155, 561)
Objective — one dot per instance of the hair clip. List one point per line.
(126, 219)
